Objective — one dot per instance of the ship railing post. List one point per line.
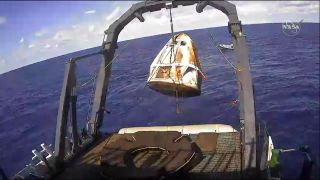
(245, 85)
(246, 96)
(74, 124)
(99, 102)
(63, 112)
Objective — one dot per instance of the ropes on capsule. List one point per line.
(171, 50)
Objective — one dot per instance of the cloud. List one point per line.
(81, 34)
(88, 32)
(2, 20)
(2, 62)
(3, 65)
(184, 18)
(21, 40)
(300, 7)
(277, 11)
(47, 46)
(90, 12)
(31, 45)
(255, 12)
(74, 26)
(62, 35)
(40, 33)
(296, 3)
(91, 28)
(114, 14)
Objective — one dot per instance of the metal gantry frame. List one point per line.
(68, 97)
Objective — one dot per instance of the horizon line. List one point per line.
(137, 39)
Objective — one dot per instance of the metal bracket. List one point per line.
(234, 24)
(139, 16)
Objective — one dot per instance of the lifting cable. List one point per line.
(178, 109)
(96, 74)
(236, 101)
(93, 80)
(172, 36)
(91, 98)
(224, 56)
(171, 50)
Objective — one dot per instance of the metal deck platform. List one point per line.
(221, 158)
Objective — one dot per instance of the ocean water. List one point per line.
(285, 73)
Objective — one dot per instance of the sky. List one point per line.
(33, 31)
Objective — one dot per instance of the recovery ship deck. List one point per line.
(218, 155)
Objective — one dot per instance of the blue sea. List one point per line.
(285, 74)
